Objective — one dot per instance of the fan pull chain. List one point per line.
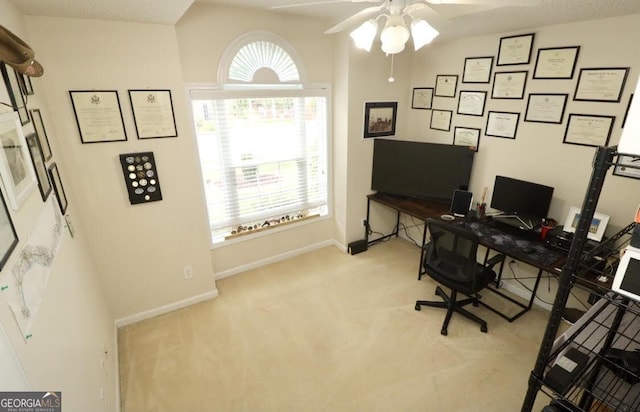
(391, 78)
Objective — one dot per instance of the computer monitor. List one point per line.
(527, 201)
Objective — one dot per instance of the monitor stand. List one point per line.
(521, 222)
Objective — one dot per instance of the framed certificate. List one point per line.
(16, 168)
(466, 136)
(515, 49)
(626, 113)
(627, 166)
(441, 120)
(38, 125)
(556, 63)
(39, 166)
(446, 85)
(153, 113)
(477, 69)
(509, 85)
(502, 124)
(588, 129)
(16, 97)
(546, 108)
(56, 182)
(98, 115)
(472, 102)
(601, 85)
(422, 98)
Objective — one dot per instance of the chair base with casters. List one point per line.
(452, 305)
(450, 260)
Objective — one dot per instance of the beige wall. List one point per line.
(74, 323)
(140, 250)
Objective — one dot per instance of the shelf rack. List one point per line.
(606, 338)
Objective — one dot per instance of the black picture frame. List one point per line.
(601, 84)
(472, 102)
(446, 85)
(546, 107)
(626, 112)
(38, 161)
(41, 131)
(153, 113)
(556, 62)
(8, 235)
(502, 124)
(620, 168)
(25, 84)
(467, 136)
(15, 93)
(590, 124)
(380, 119)
(477, 69)
(442, 120)
(509, 85)
(422, 98)
(98, 115)
(56, 182)
(514, 50)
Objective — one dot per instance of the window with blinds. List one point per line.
(263, 153)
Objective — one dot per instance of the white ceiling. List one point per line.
(463, 20)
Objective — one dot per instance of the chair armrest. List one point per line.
(499, 258)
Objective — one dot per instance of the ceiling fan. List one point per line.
(424, 20)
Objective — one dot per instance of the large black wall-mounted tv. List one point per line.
(522, 198)
(421, 170)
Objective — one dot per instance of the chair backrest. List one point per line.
(451, 251)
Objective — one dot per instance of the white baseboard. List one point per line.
(277, 258)
(128, 320)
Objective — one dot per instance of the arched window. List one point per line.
(262, 136)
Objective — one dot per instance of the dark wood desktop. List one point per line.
(525, 247)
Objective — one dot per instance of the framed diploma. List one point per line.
(153, 113)
(39, 166)
(477, 69)
(627, 166)
(380, 119)
(16, 97)
(446, 85)
(502, 124)
(556, 63)
(466, 136)
(509, 85)
(588, 129)
(601, 85)
(472, 102)
(422, 98)
(16, 168)
(98, 115)
(626, 113)
(515, 49)
(441, 120)
(546, 108)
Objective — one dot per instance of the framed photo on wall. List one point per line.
(15, 166)
(98, 115)
(588, 129)
(515, 49)
(15, 94)
(153, 113)
(380, 119)
(38, 125)
(422, 98)
(626, 166)
(8, 234)
(39, 166)
(56, 182)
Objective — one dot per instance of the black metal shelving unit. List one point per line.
(601, 348)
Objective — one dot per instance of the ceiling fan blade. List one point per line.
(319, 3)
(496, 3)
(356, 18)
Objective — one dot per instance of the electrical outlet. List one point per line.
(364, 222)
(188, 272)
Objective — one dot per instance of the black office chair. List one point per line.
(450, 259)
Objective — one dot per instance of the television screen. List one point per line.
(422, 170)
(522, 198)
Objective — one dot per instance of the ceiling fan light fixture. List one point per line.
(422, 33)
(394, 35)
(365, 34)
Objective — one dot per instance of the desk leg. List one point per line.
(422, 251)
(366, 224)
(525, 308)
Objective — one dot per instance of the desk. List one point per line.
(491, 235)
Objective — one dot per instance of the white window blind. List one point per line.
(263, 155)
